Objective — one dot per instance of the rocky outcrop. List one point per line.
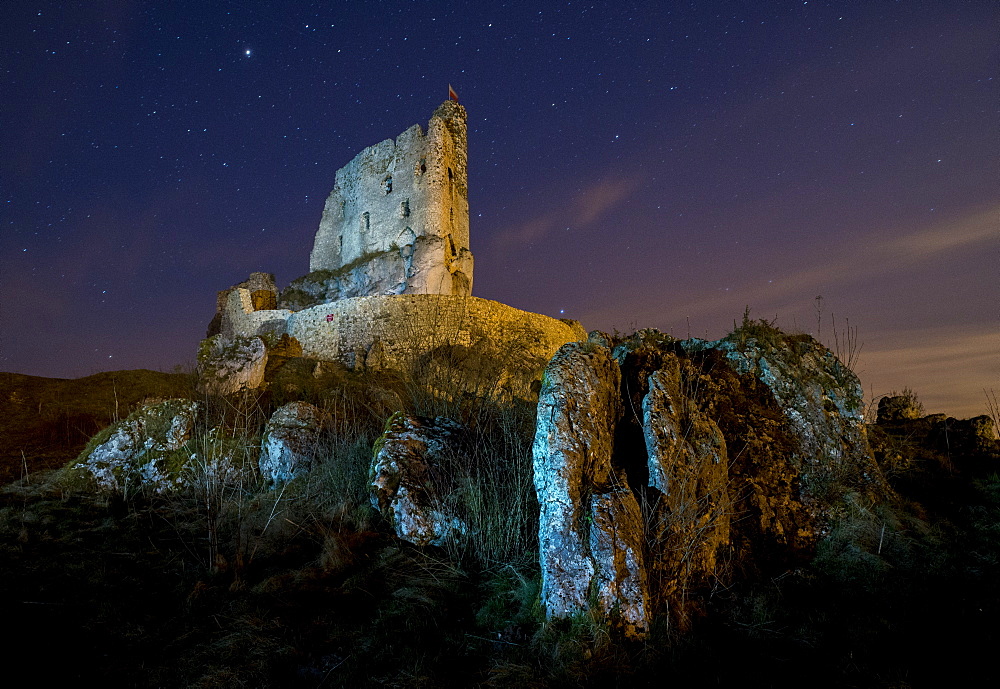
(412, 482)
(146, 449)
(590, 528)
(896, 408)
(967, 446)
(818, 413)
(290, 442)
(226, 365)
(689, 506)
(740, 448)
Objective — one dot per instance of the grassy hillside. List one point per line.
(234, 586)
(44, 422)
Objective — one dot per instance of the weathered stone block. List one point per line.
(590, 528)
(230, 365)
(291, 439)
(144, 449)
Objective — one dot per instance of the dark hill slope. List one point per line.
(46, 421)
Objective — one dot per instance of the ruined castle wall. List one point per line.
(403, 201)
(240, 319)
(401, 331)
(398, 332)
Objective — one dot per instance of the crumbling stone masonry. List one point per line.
(397, 220)
(390, 281)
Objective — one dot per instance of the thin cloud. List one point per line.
(855, 263)
(586, 208)
(899, 252)
(950, 361)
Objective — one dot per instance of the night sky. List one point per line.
(651, 164)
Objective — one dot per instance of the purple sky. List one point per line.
(650, 164)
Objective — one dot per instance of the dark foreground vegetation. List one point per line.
(233, 585)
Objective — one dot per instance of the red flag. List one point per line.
(451, 94)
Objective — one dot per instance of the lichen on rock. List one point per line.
(590, 545)
(146, 449)
(290, 442)
(230, 365)
(410, 481)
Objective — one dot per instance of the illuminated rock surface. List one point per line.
(231, 365)
(290, 441)
(411, 483)
(590, 529)
(637, 509)
(144, 449)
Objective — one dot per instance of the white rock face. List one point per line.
(290, 442)
(134, 452)
(590, 532)
(397, 220)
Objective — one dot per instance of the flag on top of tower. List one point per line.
(451, 94)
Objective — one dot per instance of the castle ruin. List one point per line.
(390, 274)
(397, 220)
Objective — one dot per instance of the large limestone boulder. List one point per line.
(413, 480)
(749, 444)
(290, 443)
(146, 449)
(820, 417)
(228, 365)
(590, 526)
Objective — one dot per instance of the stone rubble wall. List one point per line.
(398, 326)
(398, 332)
(241, 319)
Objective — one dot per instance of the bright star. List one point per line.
(247, 52)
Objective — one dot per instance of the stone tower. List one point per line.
(397, 220)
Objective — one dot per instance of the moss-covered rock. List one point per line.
(149, 448)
